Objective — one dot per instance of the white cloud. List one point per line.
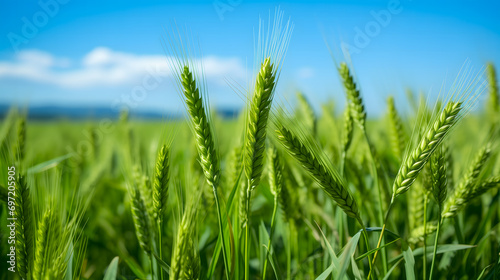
(105, 67)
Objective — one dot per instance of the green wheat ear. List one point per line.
(493, 102)
(275, 172)
(438, 172)
(19, 147)
(141, 219)
(415, 162)
(160, 182)
(42, 246)
(185, 262)
(469, 183)
(288, 199)
(463, 198)
(307, 113)
(355, 101)
(24, 228)
(396, 130)
(323, 174)
(348, 131)
(202, 130)
(255, 137)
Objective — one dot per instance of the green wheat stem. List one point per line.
(269, 243)
(379, 243)
(221, 230)
(424, 257)
(374, 172)
(365, 235)
(247, 226)
(160, 225)
(435, 244)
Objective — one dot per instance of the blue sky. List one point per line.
(100, 53)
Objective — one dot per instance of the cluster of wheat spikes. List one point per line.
(279, 192)
(48, 240)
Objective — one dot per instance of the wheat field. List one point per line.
(279, 191)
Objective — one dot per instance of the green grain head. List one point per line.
(160, 182)
(355, 101)
(324, 174)
(416, 160)
(200, 123)
(256, 130)
(396, 129)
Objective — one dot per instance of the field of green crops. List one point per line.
(281, 191)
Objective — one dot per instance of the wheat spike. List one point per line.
(414, 163)
(42, 239)
(160, 183)
(324, 175)
(348, 130)
(275, 172)
(258, 114)
(396, 129)
(202, 130)
(438, 175)
(355, 101)
(493, 102)
(19, 148)
(417, 234)
(185, 260)
(307, 113)
(417, 199)
(141, 219)
(24, 228)
(466, 189)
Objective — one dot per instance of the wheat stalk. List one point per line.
(205, 141)
(276, 185)
(416, 160)
(438, 175)
(160, 193)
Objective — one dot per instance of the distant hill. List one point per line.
(50, 112)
